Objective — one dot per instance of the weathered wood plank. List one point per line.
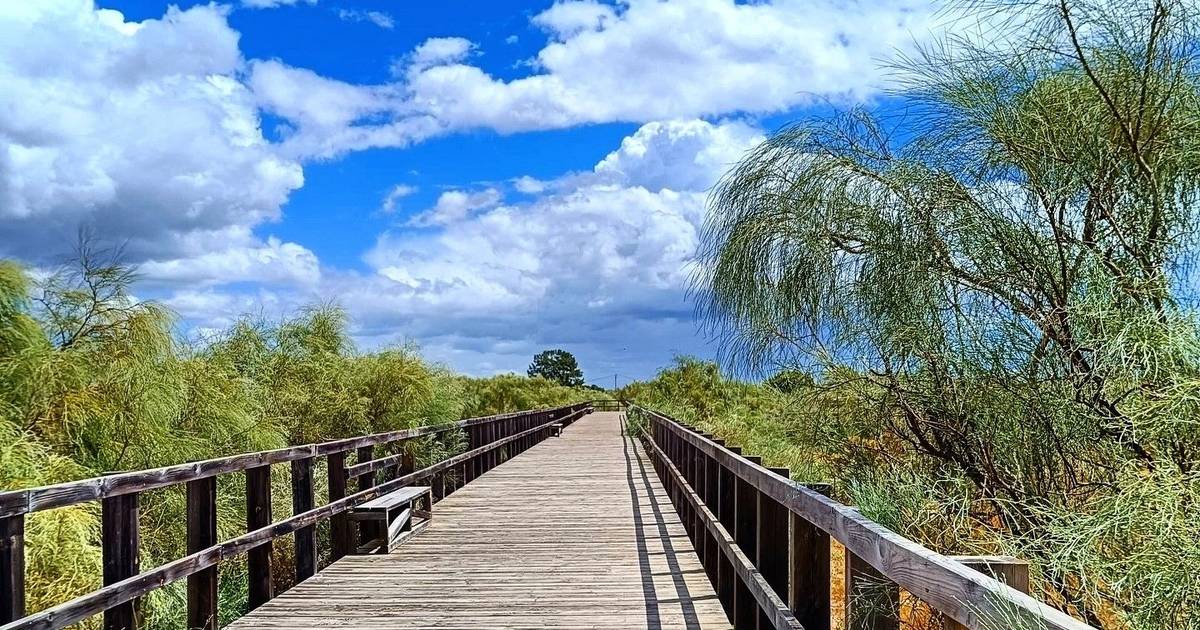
(392, 499)
(575, 533)
(127, 590)
(963, 594)
(366, 531)
(341, 531)
(202, 534)
(726, 578)
(119, 544)
(777, 613)
(1012, 571)
(745, 534)
(12, 568)
(772, 538)
(258, 515)
(872, 600)
(302, 501)
(811, 581)
(16, 502)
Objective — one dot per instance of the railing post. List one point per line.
(302, 501)
(408, 463)
(258, 516)
(119, 545)
(399, 448)
(493, 454)
(341, 534)
(438, 487)
(201, 534)
(451, 481)
(689, 473)
(727, 580)
(462, 475)
(367, 530)
(772, 555)
(474, 441)
(1012, 571)
(746, 535)
(12, 568)
(810, 596)
(695, 480)
(712, 489)
(487, 441)
(684, 466)
(669, 449)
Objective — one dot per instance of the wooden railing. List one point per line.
(764, 541)
(491, 440)
(607, 405)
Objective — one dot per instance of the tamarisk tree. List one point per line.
(997, 281)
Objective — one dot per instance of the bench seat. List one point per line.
(389, 519)
(394, 499)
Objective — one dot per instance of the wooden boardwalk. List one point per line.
(576, 532)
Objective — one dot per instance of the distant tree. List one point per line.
(789, 381)
(559, 366)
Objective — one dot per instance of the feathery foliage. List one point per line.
(93, 380)
(995, 288)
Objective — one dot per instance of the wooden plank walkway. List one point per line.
(576, 532)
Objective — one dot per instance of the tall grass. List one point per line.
(1130, 551)
(94, 381)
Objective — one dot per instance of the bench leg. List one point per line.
(397, 525)
(374, 533)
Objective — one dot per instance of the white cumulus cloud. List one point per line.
(244, 259)
(378, 18)
(593, 256)
(638, 61)
(589, 261)
(271, 4)
(392, 199)
(437, 51)
(455, 205)
(139, 132)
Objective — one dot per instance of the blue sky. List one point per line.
(485, 179)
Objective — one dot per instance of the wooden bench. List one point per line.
(391, 517)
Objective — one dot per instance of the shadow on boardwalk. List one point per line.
(577, 532)
(640, 478)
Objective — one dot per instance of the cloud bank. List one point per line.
(150, 134)
(141, 133)
(605, 63)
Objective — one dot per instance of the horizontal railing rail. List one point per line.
(608, 405)
(491, 441)
(773, 606)
(737, 511)
(16, 502)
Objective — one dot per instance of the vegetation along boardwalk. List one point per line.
(571, 517)
(578, 532)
